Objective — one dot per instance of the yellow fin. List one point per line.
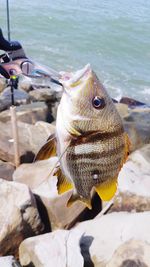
(47, 150)
(63, 185)
(107, 190)
(76, 197)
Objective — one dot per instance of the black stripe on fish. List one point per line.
(90, 137)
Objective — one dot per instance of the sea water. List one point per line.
(112, 35)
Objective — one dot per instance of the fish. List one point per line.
(90, 140)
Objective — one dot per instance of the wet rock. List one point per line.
(134, 183)
(138, 127)
(19, 216)
(6, 170)
(131, 102)
(133, 253)
(43, 94)
(20, 96)
(55, 249)
(30, 113)
(9, 261)
(44, 186)
(31, 139)
(4, 104)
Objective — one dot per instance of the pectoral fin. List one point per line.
(76, 197)
(107, 190)
(63, 185)
(48, 149)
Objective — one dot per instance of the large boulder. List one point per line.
(30, 113)
(43, 94)
(19, 217)
(6, 170)
(56, 249)
(103, 235)
(20, 97)
(90, 243)
(133, 253)
(134, 183)
(31, 138)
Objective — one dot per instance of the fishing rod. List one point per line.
(8, 19)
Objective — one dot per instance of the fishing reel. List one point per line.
(15, 61)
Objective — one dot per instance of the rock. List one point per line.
(31, 139)
(134, 183)
(103, 235)
(44, 187)
(96, 240)
(25, 83)
(133, 253)
(58, 249)
(20, 97)
(9, 261)
(131, 102)
(6, 170)
(136, 124)
(122, 109)
(43, 94)
(19, 216)
(138, 127)
(30, 113)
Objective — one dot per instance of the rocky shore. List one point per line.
(36, 227)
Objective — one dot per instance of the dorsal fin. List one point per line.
(48, 149)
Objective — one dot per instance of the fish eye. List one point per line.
(98, 103)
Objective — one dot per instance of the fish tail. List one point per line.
(75, 197)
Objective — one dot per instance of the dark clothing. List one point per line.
(8, 45)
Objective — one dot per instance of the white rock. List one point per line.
(112, 230)
(96, 240)
(8, 261)
(135, 174)
(58, 249)
(133, 253)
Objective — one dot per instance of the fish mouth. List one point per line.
(74, 79)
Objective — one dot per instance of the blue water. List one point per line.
(113, 35)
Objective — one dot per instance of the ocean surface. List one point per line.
(112, 35)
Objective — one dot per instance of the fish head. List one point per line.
(86, 104)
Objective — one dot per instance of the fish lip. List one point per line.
(72, 78)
